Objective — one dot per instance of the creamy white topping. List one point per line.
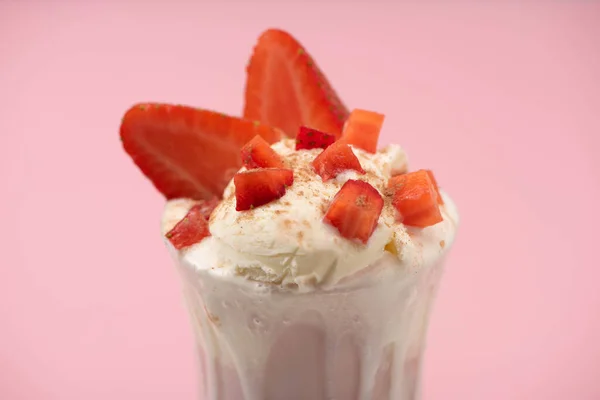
(286, 241)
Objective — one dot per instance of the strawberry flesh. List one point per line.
(335, 159)
(362, 129)
(308, 138)
(206, 207)
(440, 200)
(415, 197)
(286, 89)
(355, 210)
(258, 154)
(257, 187)
(188, 152)
(192, 228)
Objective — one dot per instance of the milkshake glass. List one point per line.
(284, 309)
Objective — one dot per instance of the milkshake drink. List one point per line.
(286, 308)
(309, 264)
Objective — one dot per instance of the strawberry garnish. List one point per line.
(260, 186)
(206, 207)
(362, 129)
(308, 138)
(286, 89)
(258, 154)
(440, 200)
(188, 152)
(193, 227)
(355, 210)
(416, 199)
(336, 158)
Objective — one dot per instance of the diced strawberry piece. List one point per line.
(188, 152)
(415, 198)
(336, 158)
(206, 207)
(258, 154)
(355, 210)
(256, 187)
(285, 88)
(362, 129)
(440, 200)
(428, 217)
(191, 229)
(308, 138)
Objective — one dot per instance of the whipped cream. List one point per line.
(286, 242)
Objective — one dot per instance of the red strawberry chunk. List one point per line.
(335, 159)
(258, 154)
(440, 200)
(415, 196)
(362, 129)
(355, 210)
(192, 228)
(308, 138)
(260, 186)
(206, 207)
(428, 217)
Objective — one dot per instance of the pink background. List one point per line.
(502, 101)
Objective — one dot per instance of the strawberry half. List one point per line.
(260, 186)
(258, 154)
(286, 89)
(188, 152)
(336, 158)
(308, 138)
(355, 210)
(362, 129)
(192, 228)
(416, 199)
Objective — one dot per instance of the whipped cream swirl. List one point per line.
(286, 241)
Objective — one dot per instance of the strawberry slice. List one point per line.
(336, 158)
(188, 152)
(258, 154)
(192, 228)
(362, 129)
(260, 186)
(308, 138)
(355, 210)
(286, 89)
(416, 199)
